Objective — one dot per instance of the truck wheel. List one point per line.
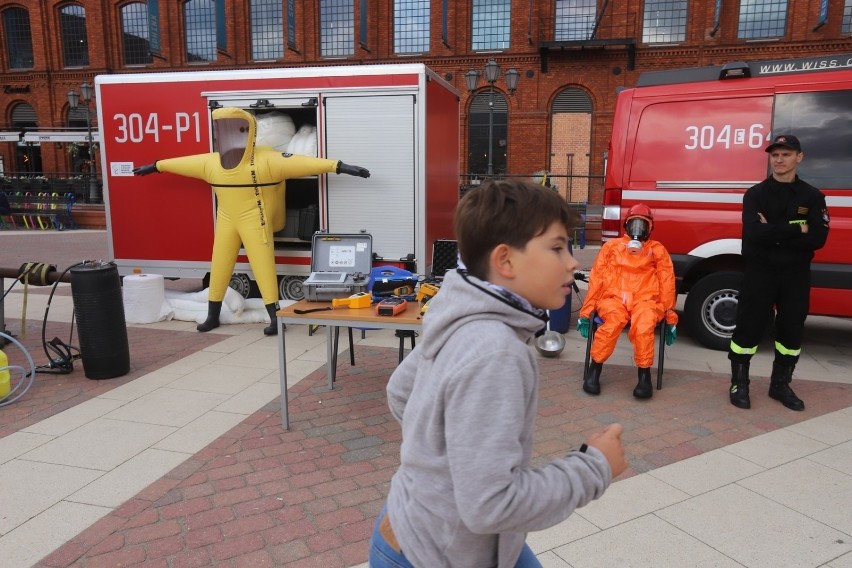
(244, 285)
(711, 309)
(291, 287)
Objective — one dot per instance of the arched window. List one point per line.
(19, 38)
(482, 146)
(134, 29)
(72, 26)
(267, 29)
(28, 155)
(571, 143)
(199, 18)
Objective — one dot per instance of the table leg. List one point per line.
(329, 347)
(282, 372)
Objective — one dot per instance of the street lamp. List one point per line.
(492, 73)
(73, 101)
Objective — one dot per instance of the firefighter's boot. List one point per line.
(273, 320)
(739, 385)
(643, 387)
(592, 380)
(212, 321)
(779, 387)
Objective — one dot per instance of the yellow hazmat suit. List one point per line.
(249, 184)
(630, 287)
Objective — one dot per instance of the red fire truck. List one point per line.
(401, 122)
(689, 142)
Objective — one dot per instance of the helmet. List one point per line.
(639, 222)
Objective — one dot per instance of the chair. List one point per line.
(401, 334)
(595, 321)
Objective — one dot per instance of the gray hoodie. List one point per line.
(465, 494)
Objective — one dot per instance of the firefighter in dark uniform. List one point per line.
(784, 221)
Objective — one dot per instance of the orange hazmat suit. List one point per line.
(638, 288)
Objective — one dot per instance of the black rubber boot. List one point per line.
(739, 385)
(643, 387)
(212, 321)
(273, 320)
(779, 387)
(592, 380)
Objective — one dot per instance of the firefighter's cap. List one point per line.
(786, 141)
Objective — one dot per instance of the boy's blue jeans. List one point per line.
(383, 556)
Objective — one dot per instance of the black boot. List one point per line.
(739, 385)
(592, 380)
(273, 320)
(212, 321)
(643, 387)
(779, 387)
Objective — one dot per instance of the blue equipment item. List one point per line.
(386, 281)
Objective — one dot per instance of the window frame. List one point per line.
(75, 58)
(676, 18)
(751, 31)
(143, 60)
(480, 20)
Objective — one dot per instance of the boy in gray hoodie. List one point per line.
(465, 494)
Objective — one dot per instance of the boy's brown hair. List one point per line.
(510, 212)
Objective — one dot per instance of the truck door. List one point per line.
(377, 132)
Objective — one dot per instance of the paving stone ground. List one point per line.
(262, 496)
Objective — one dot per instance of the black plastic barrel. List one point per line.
(96, 289)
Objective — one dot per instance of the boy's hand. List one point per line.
(609, 443)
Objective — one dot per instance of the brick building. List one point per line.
(571, 57)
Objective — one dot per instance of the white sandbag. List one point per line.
(192, 306)
(275, 129)
(304, 142)
(144, 299)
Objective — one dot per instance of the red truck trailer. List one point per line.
(689, 142)
(399, 121)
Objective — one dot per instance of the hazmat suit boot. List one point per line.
(739, 385)
(643, 387)
(212, 321)
(779, 387)
(592, 380)
(273, 320)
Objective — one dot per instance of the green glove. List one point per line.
(583, 327)
(671, 334)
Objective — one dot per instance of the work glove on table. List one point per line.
(583, 327)
(352, 170)
(671, 334)
(146, 169)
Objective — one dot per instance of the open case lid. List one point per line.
(347, 254)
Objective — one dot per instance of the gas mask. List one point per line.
(638, 229)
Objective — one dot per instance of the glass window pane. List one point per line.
(491, 24)
(664, 21)
(75, 45)
(846, 22)
(478, 133)
(19, 38)
(411, 26)
(267, 29)
(810, 117)
(200, 20)
(134, 27)
(291, 24)
(575, 19)
(762, 18)
(337, 28)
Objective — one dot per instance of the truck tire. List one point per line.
(291, 287)
(246, 287)
(711, 309)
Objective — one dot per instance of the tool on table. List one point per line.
(355, 301)
(391, 306)
(426, 290)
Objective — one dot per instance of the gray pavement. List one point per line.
(781, 498)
